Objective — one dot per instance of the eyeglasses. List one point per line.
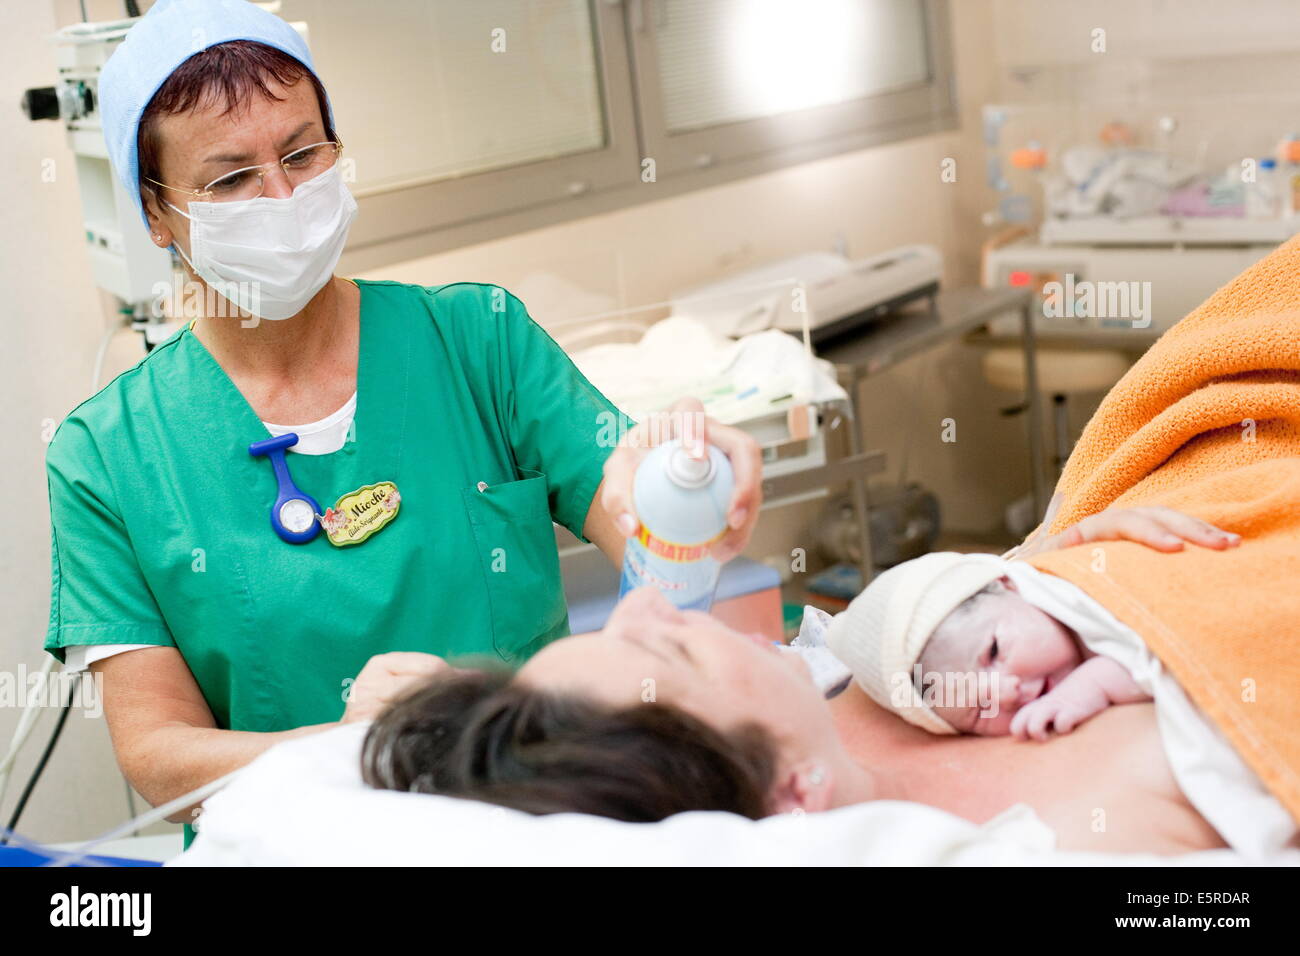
(247, 183)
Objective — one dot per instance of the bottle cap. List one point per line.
(689, 472)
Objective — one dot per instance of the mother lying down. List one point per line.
(666, 711)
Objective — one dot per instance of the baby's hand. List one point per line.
(1061, 710)
(1086, 691)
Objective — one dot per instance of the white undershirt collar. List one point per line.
(322, 437)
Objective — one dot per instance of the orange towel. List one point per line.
(1208, 422)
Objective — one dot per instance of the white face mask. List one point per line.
(270, 256)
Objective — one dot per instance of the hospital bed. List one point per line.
(284, 810)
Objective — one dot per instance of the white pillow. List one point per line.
(303, 803)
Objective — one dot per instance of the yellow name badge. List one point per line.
(359, 514)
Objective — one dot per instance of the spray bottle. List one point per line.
(682, 505)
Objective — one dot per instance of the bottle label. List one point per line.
(683, 573)
(671, 551)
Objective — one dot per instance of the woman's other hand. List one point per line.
(385, 678)
(1163, 529)
(686, 420)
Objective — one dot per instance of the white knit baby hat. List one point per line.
(883, 630)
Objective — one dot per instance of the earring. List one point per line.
(157, 236)
(817, 777)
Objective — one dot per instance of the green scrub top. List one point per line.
(162, 535)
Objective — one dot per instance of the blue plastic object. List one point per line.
(591, 586)
(274, 449)
(12, 856)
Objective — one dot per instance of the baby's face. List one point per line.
(1016, 652)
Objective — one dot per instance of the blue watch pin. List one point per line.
(293, 516)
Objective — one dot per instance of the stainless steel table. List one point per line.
(948, 315)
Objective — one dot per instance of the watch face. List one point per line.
(296, 515)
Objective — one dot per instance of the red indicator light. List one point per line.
(1019, 277)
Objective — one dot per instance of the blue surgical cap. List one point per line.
(164, 38)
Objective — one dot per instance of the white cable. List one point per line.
(26, 722)
(145, 819)
(102, 353)
(13, 838)
(130, 801)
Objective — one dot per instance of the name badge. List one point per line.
(359, 514)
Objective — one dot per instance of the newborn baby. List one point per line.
(948, 643)
(1041, 676)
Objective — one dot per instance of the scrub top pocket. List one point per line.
(515, 540)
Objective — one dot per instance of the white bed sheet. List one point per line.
(303, 804)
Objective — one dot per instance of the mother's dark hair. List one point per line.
(482, 736)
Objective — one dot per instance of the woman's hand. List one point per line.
(1163, 529)
(385, 678)
(686, 420)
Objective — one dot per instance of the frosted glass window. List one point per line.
(723, 61)
(435, 89)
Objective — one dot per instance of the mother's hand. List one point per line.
(385, 678)
(686, 420)
(1163, 529)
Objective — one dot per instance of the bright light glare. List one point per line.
(727, 60)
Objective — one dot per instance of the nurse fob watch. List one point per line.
(293, 516)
